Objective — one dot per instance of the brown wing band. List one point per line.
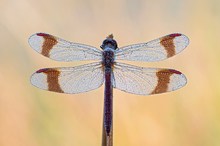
(52, 79)
(168, 44)
(49, 42)
(163, 80)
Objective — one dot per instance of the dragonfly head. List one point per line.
(109, 42)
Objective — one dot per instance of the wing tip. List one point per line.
(185, 38)
(39, 80)
(35, 41)
(179, 79)
(181, 41)
(38, 34)
(173, 71)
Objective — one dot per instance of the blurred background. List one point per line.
(33, 117)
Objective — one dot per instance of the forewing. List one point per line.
(62, 50)
(155, 50)
(146, 81)
(69, 79)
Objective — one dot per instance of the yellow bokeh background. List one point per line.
(33, 117)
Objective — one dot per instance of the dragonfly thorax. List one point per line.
(108, 57)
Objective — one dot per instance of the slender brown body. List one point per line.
(109, 45)
(108, 109)
(108, 61)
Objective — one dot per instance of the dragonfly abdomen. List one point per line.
(108, 100)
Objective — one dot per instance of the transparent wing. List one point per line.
(146, 81)
(62, 50)
(156, 50)
(69, 79)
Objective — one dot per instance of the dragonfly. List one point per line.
(107, 69)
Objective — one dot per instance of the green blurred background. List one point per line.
(33, 117)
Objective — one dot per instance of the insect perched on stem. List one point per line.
(107, 69)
